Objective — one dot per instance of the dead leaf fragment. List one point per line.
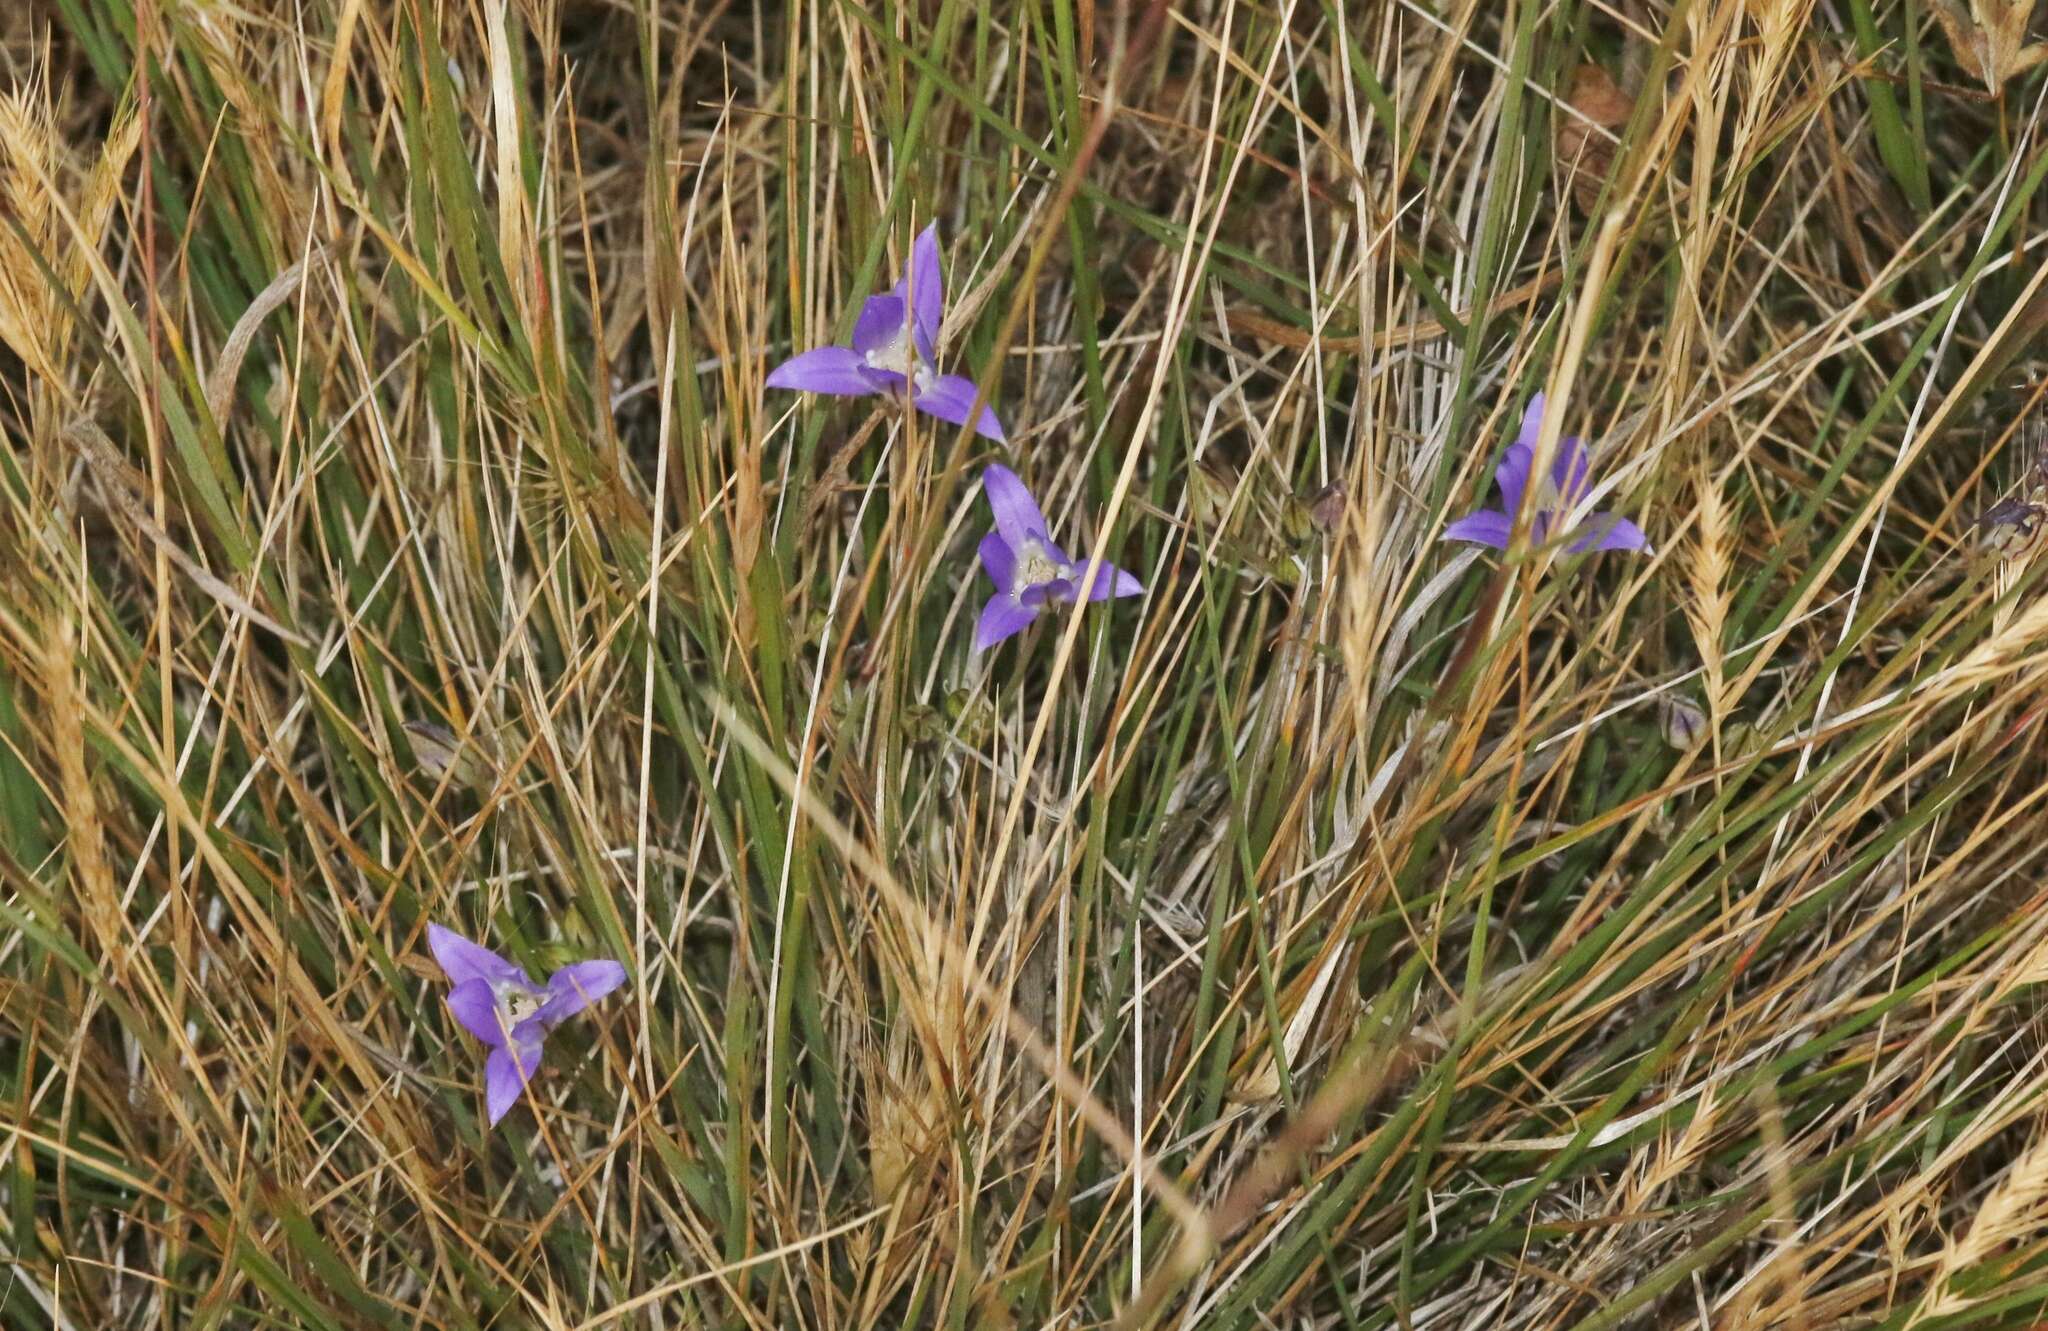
(1585, 152)
(1326, 509)
(1990, 41)
(439, 751)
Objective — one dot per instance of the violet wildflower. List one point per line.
(498, 1004)
(1028, 570)
(1565, 486)
(894, 347)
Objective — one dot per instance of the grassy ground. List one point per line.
(1359, 930)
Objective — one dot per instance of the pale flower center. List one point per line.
(1035, 564)
(516, 1002)
(899, 356)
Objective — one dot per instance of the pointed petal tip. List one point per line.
(577, 986)
(461, 959)
(1532, 420)
(950, 397)
(1112, 582)
(1610, 531)
(1001, 617)
(838, 371)
(594, 978)
(927, 289)
(1018, 516)
(506, 1074)
(1485, 527)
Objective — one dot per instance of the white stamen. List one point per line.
(1035, 565)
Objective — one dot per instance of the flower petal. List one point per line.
(475, 1005)
(999, 560)
(1569, 471)
(881, 320)
(1002, 616)
(1017, 515)
(1485, 527)
(1609, 531)
(927, 291)
(951, 397)
(833, 370)
(1512, 475)
(465, 961)
(1532, 422)
(506, 1076)
(1111, 581)
(576, 986)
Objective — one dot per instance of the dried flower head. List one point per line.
(1682, 721)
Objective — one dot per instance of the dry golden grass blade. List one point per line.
(1710, 559)
(58, 215)
(958, 966)
(114, 484)
(99, 900)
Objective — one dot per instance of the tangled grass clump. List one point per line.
(1336, 926)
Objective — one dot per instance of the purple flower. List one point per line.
(1566, 484)
(1027, 568)
(498, 1004)
(893, 349)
